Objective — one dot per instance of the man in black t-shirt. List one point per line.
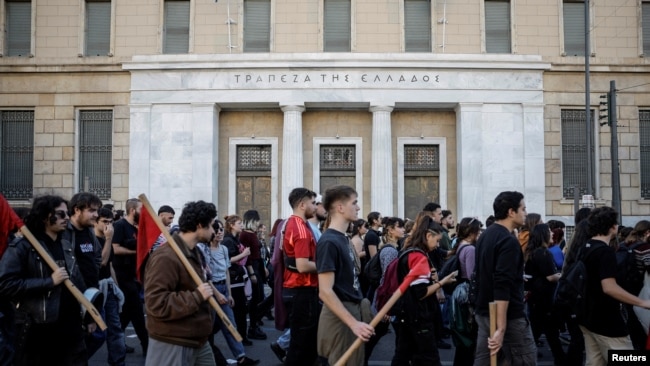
(124, 246)
(604, 326)
(83, 209)
(114, 334)
(338, 281)
(500, 275)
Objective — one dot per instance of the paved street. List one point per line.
(382, 354)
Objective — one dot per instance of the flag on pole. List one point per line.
(148, 233)
(9, 222)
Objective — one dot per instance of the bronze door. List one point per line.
(327, 182)
(254, 193)
(418, 191)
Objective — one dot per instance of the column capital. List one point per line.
(292, 108)
(381, 108)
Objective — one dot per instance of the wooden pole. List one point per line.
(90, 308)
(380, 315)
(493, 328)
(171, 242)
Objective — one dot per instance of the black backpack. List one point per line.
(628, 275)
(452, 264)
(571, 291)
(372, 270)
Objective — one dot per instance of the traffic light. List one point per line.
(603, 110)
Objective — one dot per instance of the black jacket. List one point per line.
(26, 280)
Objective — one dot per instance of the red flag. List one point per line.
(148, 233)
(9, 222)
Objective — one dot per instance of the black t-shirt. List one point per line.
(334, 254)
(105, 271)
(500, 271)
(603, 311)
(541, 265)
(372, 238)
(125, 235)
(84, 247)
(69, 310)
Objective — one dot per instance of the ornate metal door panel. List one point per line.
(418, 191)
(254, 193)
(327, 182)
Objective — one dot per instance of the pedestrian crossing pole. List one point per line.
(609, 113)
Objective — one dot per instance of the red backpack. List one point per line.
(390, 283)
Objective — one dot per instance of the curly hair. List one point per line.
(389, 223)
(43, 208)
(601, 220)
(195, 214)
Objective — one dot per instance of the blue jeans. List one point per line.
(237, 348)
(113, 335)
(284, 340)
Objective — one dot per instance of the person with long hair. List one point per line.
(238, 276)
(544, 275)
(532, 219)
(48, 321)
(219, 262)
(388, 251)
(461, 322)
(416, 338)
(257, 274)
(359, 230)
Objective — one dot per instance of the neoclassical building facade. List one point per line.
(237, 102)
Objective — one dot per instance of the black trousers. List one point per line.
(303, 320)
(133, 311)
(416, 345)
(240, 309)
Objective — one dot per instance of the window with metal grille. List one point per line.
(338, 158)
(497, 26)
(257, 25)
(645, 27)
(574, 27)
(98, 27)
(95, 152)
(17, 154)
(18, 27)
(574, 152)
(254, 157)
(644, 147)
(337, 26)
(421, 158)
(417, 25)
(176, 27)
(568, 233)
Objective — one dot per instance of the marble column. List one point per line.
(381, 182)
(292, 154)
(139, 146)
(205, 152)
(469, 160)
(534, 166)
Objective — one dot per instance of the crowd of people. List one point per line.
(312, 275)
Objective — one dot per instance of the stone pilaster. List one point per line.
(381, 182)
(292, 154)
